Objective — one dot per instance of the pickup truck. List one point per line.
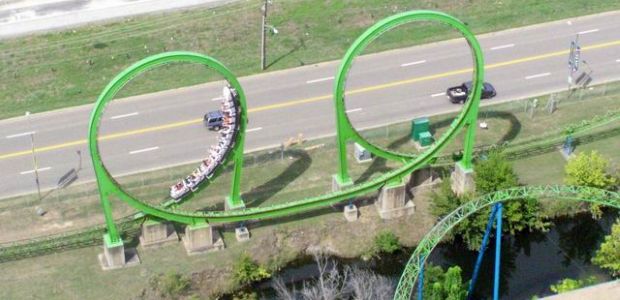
(459, 94)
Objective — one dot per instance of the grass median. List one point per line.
(68, 68)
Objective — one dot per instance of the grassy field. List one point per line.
(55, 70)
(306, 169)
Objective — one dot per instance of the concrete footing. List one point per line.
(351, 213)
(393, 203)
(230, 205)
(338, 184)
(156, 233)
(462, 180)
(115, 256)
(202, 238)
(242, 234)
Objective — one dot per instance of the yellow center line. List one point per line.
(311, 100)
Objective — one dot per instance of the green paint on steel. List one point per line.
(437, 233)
(109, 187)
(468, 116)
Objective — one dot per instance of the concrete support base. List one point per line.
(115, 256)
(156, 233)
(392, 202)
(201, 239)
(351, 213)
(230, 205)
(423, 180)
(462, 180)
(242, 234)
(338, 184)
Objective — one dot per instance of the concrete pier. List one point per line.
(338, 185)
(157, 233)
(115, 256)
(351, 213)
(242, 234)
(202, 238)
(462, 180)
(392, 201)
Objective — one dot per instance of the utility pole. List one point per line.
(34, 157)
(263, 45)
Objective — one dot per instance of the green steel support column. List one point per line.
(342, 135)
(234, 199)
(109, 219)
(470, 140)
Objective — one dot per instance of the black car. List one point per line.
(458, 94)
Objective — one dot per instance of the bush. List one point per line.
(384, 242)
(589, 169)
(568, 284)
(608, 256)
(442, 285)
(387, 242)
(246, 271)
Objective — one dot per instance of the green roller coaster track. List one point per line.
(108, 186)
(409, 276)
(469, 115)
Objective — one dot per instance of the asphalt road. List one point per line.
(164, 129)
(20, 17)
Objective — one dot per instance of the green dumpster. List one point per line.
(425, 139)
(418, 126)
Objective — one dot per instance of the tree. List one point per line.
(246, 271)
(568, 284)
(440, 285)
(492, 174)
(608, 256)
(589, 169)
(337, 283)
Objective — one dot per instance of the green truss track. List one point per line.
(436, 234)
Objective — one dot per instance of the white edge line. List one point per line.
(588, 31)
(438, 94)
(353, 110)
(413, 63)
(254, 129)
(124, 116)
(537, 75)
(144, 150)
(38, 170)
(20, 134)
(217, 98)
(618, 60)
(503, 46)
(320, 79)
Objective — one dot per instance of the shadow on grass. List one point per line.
(513, 131)
(301, 44)
(258, 195)
(379, 164)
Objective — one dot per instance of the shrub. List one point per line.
(246, 271)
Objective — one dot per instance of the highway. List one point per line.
(164, 129)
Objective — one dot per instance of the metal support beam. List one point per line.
(483, 247)
(498, 252)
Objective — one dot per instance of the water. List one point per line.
(530, 263)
